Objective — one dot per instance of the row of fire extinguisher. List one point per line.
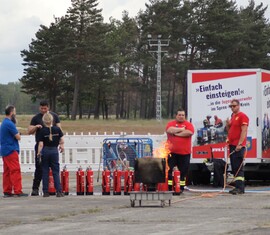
(64, 177)
(85, 182)
(130, 184)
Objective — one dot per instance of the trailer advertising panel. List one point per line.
(265, 118)
(209, 95)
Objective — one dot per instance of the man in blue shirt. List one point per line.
(9, 135)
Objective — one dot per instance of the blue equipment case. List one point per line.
(120, 153)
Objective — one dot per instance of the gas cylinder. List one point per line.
(89, 181)
(51, 188)
(65, 180)
(106, 182)
(162, 187)
(136, 186)
(176, 182)
(129, 182)
(117, 174)
(80, 181)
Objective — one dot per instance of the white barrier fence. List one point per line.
(80, 150)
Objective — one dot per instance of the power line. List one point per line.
(158, 43)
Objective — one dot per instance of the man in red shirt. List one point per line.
(179, 133)
(237, 137)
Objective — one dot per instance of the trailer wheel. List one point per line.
(162, 203)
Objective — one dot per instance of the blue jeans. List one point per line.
(50, 158)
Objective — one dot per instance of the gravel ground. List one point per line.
(190, 213)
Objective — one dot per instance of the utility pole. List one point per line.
(158, 43)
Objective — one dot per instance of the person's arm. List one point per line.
(228, 124)
(242, 137)
(56, 119)
(175, 130)
(61, 144)
(14, 131)
(185, 133)
(32, 129)
(18, 136)
(40, 147)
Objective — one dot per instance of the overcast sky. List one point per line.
(20, 20)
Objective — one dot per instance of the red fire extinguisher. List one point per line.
(117, 174)
(129, 182)
(137, 187)
(80, 181)
(89, 181)
(65, 180)
(163, 186)
(51, 188)
(176, 182)
(106, 182)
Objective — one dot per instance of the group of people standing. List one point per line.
(179, 136)
(49, 141)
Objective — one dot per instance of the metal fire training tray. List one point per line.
(150, 196)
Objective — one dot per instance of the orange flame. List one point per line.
(163, 151)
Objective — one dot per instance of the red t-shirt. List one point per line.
(236, 122)
(177, 144)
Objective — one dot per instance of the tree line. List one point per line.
(11, 94)
(83, 65)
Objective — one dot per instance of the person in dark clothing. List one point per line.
(35, 127)
(51, 141)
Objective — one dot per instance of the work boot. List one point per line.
(21, 195)
(6, 195)
(236, 191)
(46, 194)
(182, 188)
(35, 192)
(59, 194)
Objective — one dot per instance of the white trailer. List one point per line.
(209, 94)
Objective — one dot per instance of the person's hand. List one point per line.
(228, 122)
(61, 148)
(238, 147)
(38, 126)
(182, 129)
(39, 158)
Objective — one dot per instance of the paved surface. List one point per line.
(190, 213)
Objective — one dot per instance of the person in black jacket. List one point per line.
(35, 127)
(51, 141)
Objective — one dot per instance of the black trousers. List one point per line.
(182, 162)
(236, 158)
(38, 170)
